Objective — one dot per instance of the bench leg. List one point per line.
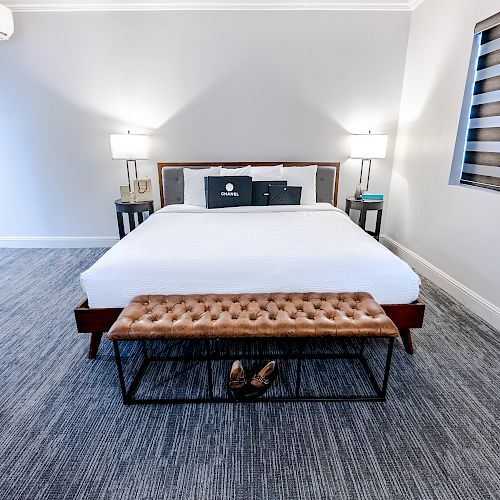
(119, 367)
(406, 339)
(381, 391)
(387, 370)
(209, 369)
(95, 340)
(299, 370)
(144, 350)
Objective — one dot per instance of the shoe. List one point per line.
(262, 380)
(237, 381)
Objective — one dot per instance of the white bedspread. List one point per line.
(183, 249)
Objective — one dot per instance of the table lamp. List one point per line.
(367, 147)
(129, 147)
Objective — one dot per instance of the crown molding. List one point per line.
(137, 5)
(415, 3)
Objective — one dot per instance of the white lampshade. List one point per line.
(368, 146)
(129, 146)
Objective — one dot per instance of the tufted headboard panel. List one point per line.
(171, 178)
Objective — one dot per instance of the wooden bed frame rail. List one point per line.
(98, 321)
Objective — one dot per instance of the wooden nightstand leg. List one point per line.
(131, 220)
(121, 228)
(362, 218)
(379, 223)
(347, 206)
(140, 217)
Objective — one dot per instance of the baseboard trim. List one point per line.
(57, 241)
(475, 302)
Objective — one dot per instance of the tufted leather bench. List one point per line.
(295, 316)
(149, 317)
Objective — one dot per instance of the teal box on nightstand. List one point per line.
(368, 196)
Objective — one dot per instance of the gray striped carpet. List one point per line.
(64, 433)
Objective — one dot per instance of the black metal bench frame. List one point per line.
(378, 395)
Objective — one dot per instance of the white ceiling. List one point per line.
(85, 5)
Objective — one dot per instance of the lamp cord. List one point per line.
(369, 170)
(361, 172)
(128, 177)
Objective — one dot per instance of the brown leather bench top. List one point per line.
(149, 317)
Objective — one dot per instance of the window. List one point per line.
(477, 153)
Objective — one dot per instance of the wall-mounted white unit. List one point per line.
(6, 23)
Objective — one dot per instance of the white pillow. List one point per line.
(235, 171)
(267, 173)
(305, 177)
(194, 184)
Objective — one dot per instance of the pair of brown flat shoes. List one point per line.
(260, 382)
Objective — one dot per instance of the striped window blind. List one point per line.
(481, 164)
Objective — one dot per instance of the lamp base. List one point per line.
(358, 193)
(359, 187)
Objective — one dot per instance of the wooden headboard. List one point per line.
(172, 189)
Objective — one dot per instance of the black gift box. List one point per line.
(284, 195)
(228, 191)
(260, 191)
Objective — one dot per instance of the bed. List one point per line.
(184, 249)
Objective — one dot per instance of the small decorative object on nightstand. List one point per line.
(363, 206)
(131, 209)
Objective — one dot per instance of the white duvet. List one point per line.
(184, 249)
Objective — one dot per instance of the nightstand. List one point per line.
(363, 206)
(131, 209)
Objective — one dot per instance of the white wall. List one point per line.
(205, 85)
(454, 228)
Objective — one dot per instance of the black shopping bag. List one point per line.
(260, 191)
(228, 191)
(284, 195)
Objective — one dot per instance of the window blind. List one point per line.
(481, 165)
